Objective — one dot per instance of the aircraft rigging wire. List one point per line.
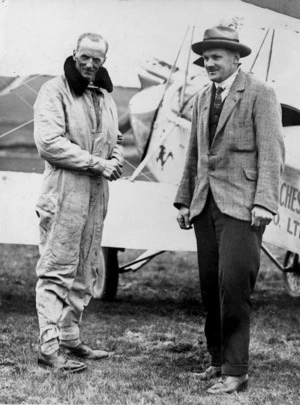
(186, 73)
(31, 78)
(30, 88)
(24, 101)
(163, 96)
(15, 129)
(20, 97)
(24, 83)
(142, 174)
(270, 55)
(258, 52)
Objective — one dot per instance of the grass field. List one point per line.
(154, 331)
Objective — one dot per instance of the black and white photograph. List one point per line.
(150, 202)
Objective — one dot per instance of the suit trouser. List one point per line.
(229, 260)
(70, 256)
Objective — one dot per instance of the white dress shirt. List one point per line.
(226, 84)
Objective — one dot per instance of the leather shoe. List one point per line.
(210, 372)
(85, 352)
(229, 384)
(60, 362)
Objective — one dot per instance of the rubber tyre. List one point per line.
(106, 285)
(292, 280)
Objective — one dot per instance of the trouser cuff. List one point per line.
(70, 343)
(234, 370)
(50, 347)
(69, 334)
(48, 333)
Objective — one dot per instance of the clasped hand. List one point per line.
(110, 169)
(113, 169)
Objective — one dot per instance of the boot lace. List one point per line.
(223, 379)
(62, 354)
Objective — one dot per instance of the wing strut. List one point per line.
(258, 52)
(186, 72)
(270, 55)
(163, 96)
(140, 261)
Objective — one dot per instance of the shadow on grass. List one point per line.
(279, 300)
(168, 285)
(264, 363)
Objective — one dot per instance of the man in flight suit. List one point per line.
(76, 132)
(229, 192)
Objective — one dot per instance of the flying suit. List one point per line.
(70, 131)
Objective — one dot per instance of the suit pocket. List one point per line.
(251, 174)
(249, 187)
(242, 145)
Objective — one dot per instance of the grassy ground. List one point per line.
(155, 330)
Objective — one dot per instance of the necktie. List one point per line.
(218, 98)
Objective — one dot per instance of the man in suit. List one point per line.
(229, 193)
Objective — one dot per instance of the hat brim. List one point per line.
(200, 47)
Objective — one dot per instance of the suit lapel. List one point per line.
(233, 96)
(205, 112)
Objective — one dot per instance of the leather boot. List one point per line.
(229, 384)
(60, 362)
(85, 352)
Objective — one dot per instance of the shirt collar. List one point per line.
(226, 84)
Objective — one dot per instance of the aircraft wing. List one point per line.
(140, 215)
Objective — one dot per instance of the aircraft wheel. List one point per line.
(106, 285)
(292, 278)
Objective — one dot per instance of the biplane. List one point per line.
(159, 117)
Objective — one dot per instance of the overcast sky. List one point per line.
(39, 35)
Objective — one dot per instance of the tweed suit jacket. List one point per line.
(243, 165)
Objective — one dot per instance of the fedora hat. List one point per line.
(220, 37)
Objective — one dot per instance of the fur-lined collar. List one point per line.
(78, 83)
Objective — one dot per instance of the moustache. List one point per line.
(211, 70)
